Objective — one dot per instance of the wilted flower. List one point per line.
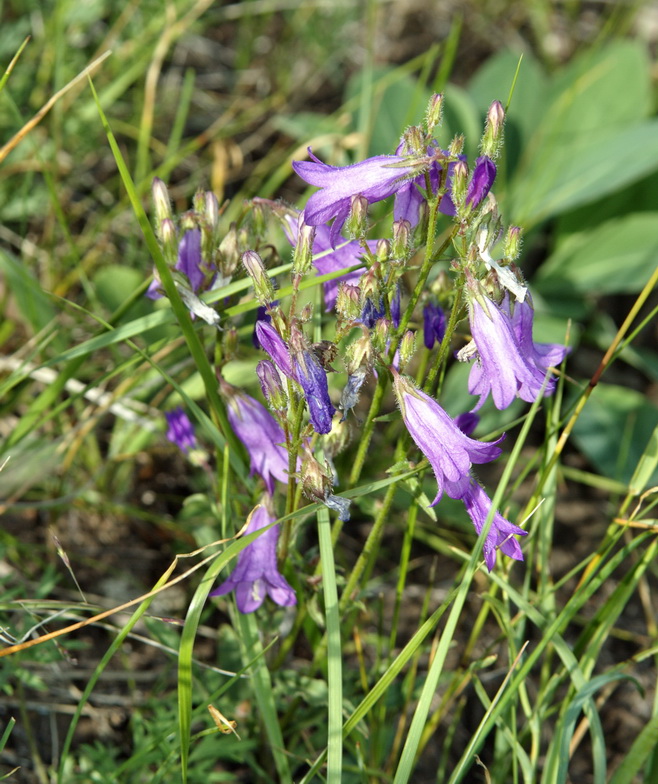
(481, 181)
(180, 431)
(317, 484)
(375, 179)
(509, 363)
(256, 573)
(271, 342)
(260, 434)
(501, 532)
(449, 451)
(313, 379)
(434, 324)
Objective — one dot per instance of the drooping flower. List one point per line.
(180, 431)
(501, 532)
(261, 435)
(313, 379)
(508, 363)
(544, 355)
(434, 324)
(449, 451)
(256, 574)
(375, 179)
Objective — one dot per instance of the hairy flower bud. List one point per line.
(413, 141)
(434, 113)
(401, 236)
(513, 240)
(303, 255)
(456, 145)
(348, 301)
(270, 383)
(263, 288)
(459, 183)
(356, 224)
(161, 202)
(169, 241)
(407, 348)
(492, 138)
(229, 252)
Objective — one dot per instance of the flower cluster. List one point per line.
(380, 288)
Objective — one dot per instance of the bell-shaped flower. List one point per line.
(509, 363)
(256, 574)
(374, 179)
(501, 532)
(190, 263)
(271, 342)
(544, 355)
(449, 451)
(411, 196)
(262, 437)
(481, 181)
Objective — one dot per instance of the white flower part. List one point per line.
(505, 275)
(198, 307)
(467, 352)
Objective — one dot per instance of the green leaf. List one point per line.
(617, 257)
(612, 430)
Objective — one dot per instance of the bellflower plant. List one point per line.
(449, 451)
(256, 574)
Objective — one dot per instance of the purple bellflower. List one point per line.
(449, 451)
(313, 379)
(507, 365)
(544, 355)
(190, 263)
(256, 574)
(180, 431)
(409, 197)
(326, 259)
(261, 435)
(434, 324)
(374, 179)
(501, 532)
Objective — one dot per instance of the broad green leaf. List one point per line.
(617, 257)
(33, 303)
(613, 429)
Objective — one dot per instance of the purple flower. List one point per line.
(482, 179)
(449, 451)
(544, 355)
(275, 346)
(261, 315)
(180, 431)
(509, 362)
(256, 573)
(313, 380)
(326, 259)
(189, 262)
(261, 436)
(501, 532)
(467, 422)
(374, 179)
(409, 198)
(434, 324)
(371, 313)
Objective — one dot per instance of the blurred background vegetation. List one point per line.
(224, 96)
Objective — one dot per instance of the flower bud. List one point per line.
(161, 201)
(407, 348)
(317, 484)
(359, 353)
(256, 270)
(230, 344)
(356, 224)
(211, 210)
(350, 394)
(456, 145)
(413, 141)
(229, 252)
(383, 250)
(513, 240)
(434, 113)
(348, 301)
(492, 138)
(401, 235)
(380, 334)
(169, 241)
(459, 184)
(270, 383)
(303, 255)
